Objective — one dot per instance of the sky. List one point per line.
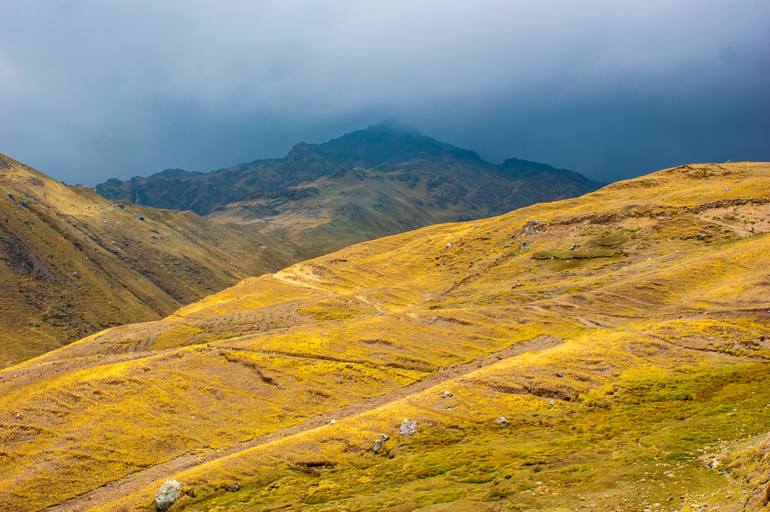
(613, 89)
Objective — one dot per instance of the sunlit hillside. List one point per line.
(74, 263)
(609, 352)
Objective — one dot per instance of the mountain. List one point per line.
(608, 352)
(378, 181)
(72, 263)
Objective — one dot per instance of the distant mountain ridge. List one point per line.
(381, 180)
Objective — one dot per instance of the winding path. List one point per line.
(144, 477)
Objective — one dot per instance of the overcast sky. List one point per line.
(97, 89)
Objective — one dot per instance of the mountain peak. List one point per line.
(387, 141)
(381, 179)
(393, 126)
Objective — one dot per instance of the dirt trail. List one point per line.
(135, 481)
(294, 277)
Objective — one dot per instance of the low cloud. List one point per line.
(90, 89)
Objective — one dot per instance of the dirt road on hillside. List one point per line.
(140, 479)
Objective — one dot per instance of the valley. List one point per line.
(271, 256)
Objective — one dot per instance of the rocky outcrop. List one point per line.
(167, 495)
(408, 427)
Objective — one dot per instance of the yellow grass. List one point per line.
(662, 369)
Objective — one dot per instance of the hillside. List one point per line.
(378, 181)
(72, 263)
(608, 352)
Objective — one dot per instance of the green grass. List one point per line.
(623, 447)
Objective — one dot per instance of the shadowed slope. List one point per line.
(657, 287)
(72, 263)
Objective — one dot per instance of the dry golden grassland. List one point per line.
(646, 386)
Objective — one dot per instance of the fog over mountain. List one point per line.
(91, 90)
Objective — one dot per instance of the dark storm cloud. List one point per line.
(93, 89)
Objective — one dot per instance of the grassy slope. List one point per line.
(662, 306)
(74, 263)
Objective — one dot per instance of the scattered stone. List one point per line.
(501, 420)
(332, 421)
(525, 244)
(573, 247)
(10, 196)
(36, 182)
(408, 427)
(233, 487)
(138, 217)
(446, 394)
(449, 245)
(559, 374)
(167, 494)
(377, 446)
(530, 228)
(551, 402)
